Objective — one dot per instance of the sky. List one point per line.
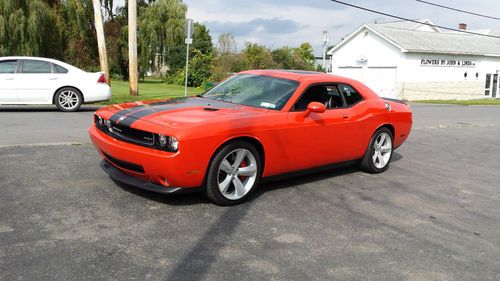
(277, 23)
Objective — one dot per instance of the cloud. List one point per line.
(277, 23)
(245, 28)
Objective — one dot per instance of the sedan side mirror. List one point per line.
(315, 107)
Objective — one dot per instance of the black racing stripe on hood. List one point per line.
(128, 116)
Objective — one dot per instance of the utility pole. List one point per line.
(326, 39)
(101, 41)
(133, 70)
(189, 29)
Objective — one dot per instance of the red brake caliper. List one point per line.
(243, 164)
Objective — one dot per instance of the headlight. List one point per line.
(168, 143)
(99, 121)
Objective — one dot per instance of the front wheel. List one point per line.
(379, 152)
(68, 99)
(233, 174)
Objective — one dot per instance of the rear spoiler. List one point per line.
(395, 100)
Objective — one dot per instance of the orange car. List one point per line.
(256, 124)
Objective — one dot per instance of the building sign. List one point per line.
(443, 62)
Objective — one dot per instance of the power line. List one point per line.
(415, 21)
(458, 10)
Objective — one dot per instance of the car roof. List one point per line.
(302, 75)
(66, 65)
(310, 77)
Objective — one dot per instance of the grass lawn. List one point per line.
(150, 89)
(463, 102)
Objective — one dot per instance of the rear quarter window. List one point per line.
(351, 96)
(59, 69)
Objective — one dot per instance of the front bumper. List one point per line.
(119, 176)
(148, 165)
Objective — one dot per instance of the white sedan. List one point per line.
(31, 80)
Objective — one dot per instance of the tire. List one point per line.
(68, 99)
(379, 153)
(229, 183)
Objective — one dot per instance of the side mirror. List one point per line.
(315, 107)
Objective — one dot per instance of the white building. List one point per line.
(415, 61)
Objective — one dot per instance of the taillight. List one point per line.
(102, 79)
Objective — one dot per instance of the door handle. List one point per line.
(345, 116)
(53, 78)
(9, 78)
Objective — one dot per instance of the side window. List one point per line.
(314, 93)
(335, 98)
(59, 69)
(8, 66)
(35, 66)
(351, 96)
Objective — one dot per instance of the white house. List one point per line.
(415, 61)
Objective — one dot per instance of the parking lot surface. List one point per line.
(433, 215)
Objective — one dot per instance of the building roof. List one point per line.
(408, 38)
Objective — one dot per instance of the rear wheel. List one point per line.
(68, 99)
(233, 173)
(379, 152)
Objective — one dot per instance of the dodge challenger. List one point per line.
(255, 125)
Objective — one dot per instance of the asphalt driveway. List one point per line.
(434, 215)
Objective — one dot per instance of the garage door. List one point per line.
(382, 80)
(350, 72)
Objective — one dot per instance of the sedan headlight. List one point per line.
(168, 143)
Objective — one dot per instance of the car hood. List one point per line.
(178, 112)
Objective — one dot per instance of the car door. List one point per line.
(320, 138)
(35, 82)
(8, 92)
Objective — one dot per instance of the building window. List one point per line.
(487, 85)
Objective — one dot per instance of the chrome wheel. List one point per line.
(237, 174)
(382, 150)
(68, 99)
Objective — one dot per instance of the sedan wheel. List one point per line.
(379, 152)
(233, 173)
(68, 99)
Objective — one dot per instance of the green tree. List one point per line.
(160, 25)
(202, 42)
(284, 57)
(30, 28)
(258, 56)
(305, 53)
(80, 46)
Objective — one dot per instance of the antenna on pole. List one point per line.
(326, 39)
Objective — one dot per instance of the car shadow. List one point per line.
(44, 108)
(266, 186)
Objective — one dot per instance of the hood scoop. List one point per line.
(210, 109)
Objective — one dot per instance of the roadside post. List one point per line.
(188, 28)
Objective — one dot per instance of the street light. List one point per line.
(326, 39)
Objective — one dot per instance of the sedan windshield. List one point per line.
(254, 90)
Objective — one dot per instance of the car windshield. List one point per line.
(254, 90)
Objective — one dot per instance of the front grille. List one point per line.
(131, 134)
(127, 134)
(124, 164)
